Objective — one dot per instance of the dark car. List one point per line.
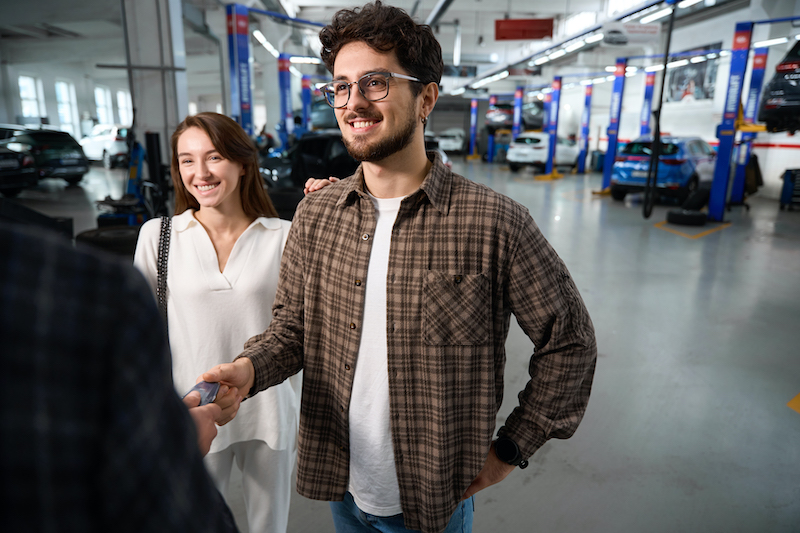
(501, 116)
(780, 104)
(55, 153)
(17, 171)
(318, 154)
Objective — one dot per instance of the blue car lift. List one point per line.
(731, 117)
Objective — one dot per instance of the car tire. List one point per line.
(107, 161)
(11, 192)
(686, 217)
(74, 180)
(514, 167)
(689, 190)
(618, 194)
(119, 240)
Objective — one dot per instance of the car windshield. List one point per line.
(528, 140)
(53, 139)
(122, 132)
(645, 148)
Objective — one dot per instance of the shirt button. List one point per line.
(457, 278)
(347, 367)
(352, 325)
(365, 237)
(341, 408)
(358, 283)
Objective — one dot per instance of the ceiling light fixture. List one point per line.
(594, 38)
(688, 3)
(557, 54)
(490, 79)
(656, 16)
(575, 46)
(265, 43)
(771, 42)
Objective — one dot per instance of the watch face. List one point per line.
(506, 450)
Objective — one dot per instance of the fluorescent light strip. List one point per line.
(302, 60)
(586, 82)
(598, 80)
(490, 79)
(458, 91)
(557, 54)
(656, 16)
(542, 60)
(698, 59)
(594, 38)
(296, 72)
(771, 42)
(265, 43)
(575, 46)
(688, 3)
(678, 63)
(654, 68)
(611, 68)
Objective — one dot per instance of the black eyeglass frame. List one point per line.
(388, 75)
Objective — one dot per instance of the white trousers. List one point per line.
(266, 481)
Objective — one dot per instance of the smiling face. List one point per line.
(210, 178)
(373, 131)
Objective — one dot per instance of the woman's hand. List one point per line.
(314, 184)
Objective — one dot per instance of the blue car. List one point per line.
(685, 164)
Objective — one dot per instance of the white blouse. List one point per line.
(211, 314)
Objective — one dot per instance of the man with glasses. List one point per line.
(396, 290)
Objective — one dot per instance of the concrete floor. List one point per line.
(688, 427)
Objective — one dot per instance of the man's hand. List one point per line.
(204, 418)
(493, 471)
(314, 184)
(233, 377)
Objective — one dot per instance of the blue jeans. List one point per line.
(348, 518)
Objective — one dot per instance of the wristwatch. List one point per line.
(508, 452)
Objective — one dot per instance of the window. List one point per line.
(31, 96)
(102, 101)
(124, 107)
(67, 107)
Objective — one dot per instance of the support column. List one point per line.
(156, 56)
(555, 98)
(613, 126)
(517, 125)
(586, 119)
(644, 119)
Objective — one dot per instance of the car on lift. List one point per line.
(531, 148)
(685, 164)
(107, 143)
(501, 116)
(55, 153)
(780, 104)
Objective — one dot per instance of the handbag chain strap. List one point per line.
(161, 266)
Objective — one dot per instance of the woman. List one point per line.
(222, 275)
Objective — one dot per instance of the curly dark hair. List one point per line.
(385, 28)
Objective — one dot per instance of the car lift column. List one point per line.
(726, 132)
(305, 97)
(613, 126)
(555, 97)
(647, 106)
(515, 128)
(473, 129)
(490, 140)
(285, 84)
(584, 143)
(746, 144)
(239, 56)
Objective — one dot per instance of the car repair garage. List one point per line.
(653, 142)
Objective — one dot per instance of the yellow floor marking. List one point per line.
(795, 403)
(663, 225)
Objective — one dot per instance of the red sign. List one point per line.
(588, 90)
(620, 70)
(283, 64)
(741, 40)
(650, 79)
(556, 85)
(760, 61)
(522, 29)
(305, 83)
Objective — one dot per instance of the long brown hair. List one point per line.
(233, 144)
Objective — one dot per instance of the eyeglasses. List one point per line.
(373, 86)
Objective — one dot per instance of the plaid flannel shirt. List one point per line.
(463, 259)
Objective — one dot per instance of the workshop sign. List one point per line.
(621, 34)
(522, 29)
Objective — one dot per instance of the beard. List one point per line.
(380, 149)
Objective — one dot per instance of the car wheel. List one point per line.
(617, 193)
(689, 190)
(514, 167)
(74, 180)
(11, 193)
(107, 162)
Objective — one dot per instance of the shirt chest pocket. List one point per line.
(455, 309)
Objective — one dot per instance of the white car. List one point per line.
(107, 143)
(452, 140)
(530, 148)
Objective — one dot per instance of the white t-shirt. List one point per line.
(211, 315)
(373, 478)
